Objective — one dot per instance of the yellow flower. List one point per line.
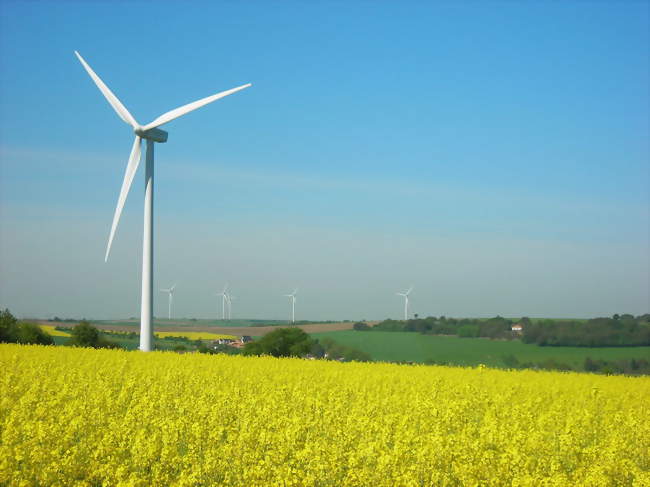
(117, 418)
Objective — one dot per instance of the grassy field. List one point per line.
(406, 346)
(128, 343)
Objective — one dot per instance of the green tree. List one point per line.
(353, 355)
(337, 351)
(31, 333)
(86, 335)
(283, 342)
(8, 327)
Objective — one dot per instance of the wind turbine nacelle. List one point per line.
(155, 135)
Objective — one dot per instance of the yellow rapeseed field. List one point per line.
(106, 417)
(51, 330)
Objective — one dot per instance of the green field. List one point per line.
(131, 343)
(414, 347)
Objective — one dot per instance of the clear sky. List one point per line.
(493, 155)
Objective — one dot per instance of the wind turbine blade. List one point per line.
(180, 111)
(112, 99)
(131, 168)
(410, 289)
(171, 289)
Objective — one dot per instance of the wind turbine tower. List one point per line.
(170, 292)
(406, 302)
(151, 133)
(293, 305)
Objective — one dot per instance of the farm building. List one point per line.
(518, 328)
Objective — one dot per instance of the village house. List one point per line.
(233, 342)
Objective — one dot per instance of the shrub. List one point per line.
(31, 333)
(337, 351)
(283, 342)
(86, 335)
(8, 327)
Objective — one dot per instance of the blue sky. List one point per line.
(493, 155)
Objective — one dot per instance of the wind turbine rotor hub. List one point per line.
(155, 135)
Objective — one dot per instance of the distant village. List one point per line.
(232, 342)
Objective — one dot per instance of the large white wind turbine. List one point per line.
(170, 292)
(293, 304)
(151, 133)
(406, 302)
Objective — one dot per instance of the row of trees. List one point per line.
(598, 366)
(82, 335)
(617, 331)
(623, 366)
(11, 331)
(497, 327)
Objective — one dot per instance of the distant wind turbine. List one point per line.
(151, 133)
(169, 291)
(224, 301)
(293, 304)
(406, 302)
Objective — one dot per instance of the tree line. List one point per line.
(617, 331)
(82, 335)
(497, 327)
(12, 331)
